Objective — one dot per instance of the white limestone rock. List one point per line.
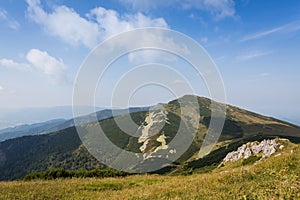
(265, 147)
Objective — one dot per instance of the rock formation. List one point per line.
(264, 148)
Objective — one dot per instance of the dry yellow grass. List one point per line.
(273, 178)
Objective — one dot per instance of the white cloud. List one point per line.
(64, 23)
(157, 38)
(15, 65)
(290, 27)
(1, 88)
(252, 55)
(41, 61)
(111, 22)
(97, 25)
(218, 8)
(50, 66)
(12, 23)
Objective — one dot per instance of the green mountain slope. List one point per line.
(64, 149)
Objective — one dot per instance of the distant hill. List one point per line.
(60, 124)
(64, 149)
(30, 129)
(11, 117)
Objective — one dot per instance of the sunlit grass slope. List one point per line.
(277, 177)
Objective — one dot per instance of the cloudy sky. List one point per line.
(255, 45)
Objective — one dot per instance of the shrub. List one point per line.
(251, 160)
(61, 173)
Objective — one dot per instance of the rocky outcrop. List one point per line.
(150, 130)
(264, 148)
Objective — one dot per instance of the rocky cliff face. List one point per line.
(150, 130)
(264, 148)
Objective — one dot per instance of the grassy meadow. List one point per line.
(277, 177)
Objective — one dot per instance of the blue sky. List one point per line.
(255, 45)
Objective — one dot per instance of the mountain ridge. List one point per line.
(60, 124)
(58, 149)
